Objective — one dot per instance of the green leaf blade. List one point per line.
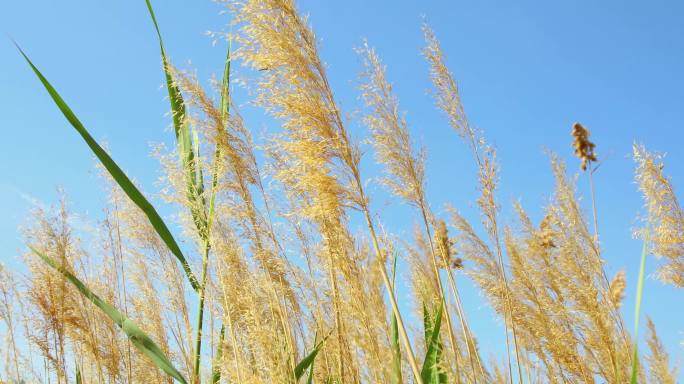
(396, 375)
(637, 310)
(188, 146)
(308, 360)
(431, 372)
(138, 338)
(216, 369)
(117, 174)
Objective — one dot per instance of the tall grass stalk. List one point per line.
(225, 111)
(448, 99)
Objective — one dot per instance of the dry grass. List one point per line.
(283, 289)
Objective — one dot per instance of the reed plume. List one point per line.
(584, 148)
(659, 369)
(323, 161)
(616, 289)
(665, 218)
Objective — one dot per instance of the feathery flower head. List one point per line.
(546, 232)
(665, 215)
(616, 289)
(446, 246)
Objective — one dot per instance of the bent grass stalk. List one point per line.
(404, 167)
(358, 184)
(448, 99)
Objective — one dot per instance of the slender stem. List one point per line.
(596, 247)
(10, 327)
(474, 147)
(472, 350)
(593, 202)
(353, 167)
(376, 246)
(203, 277)
(200, 313)
(464, 324)
(494, 235)
(509, 310)
(124, 300)
(216, 369)
(225, 110)
(227, 316)
(435, 267)
(205, 264)
(338, 320)
(393, 300)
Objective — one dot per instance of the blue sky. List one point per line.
(527, 71)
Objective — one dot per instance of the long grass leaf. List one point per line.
(225, 85)
(210, 216)
(187, 146)
(637, 311)
(431, 372)
(225, 114)
(216, 367)
(396, 376)
(138, 338)
(309, 380)
(117, 174)
(308, 360)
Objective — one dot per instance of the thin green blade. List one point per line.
(431, 372)
(637, 311)
(308, 360)
(117, 174)
(78, 375)
(225, 113)
(225, 86)
(225, 105)
(309, 380)
(187, 145)
(139, 339)
(216, 368)
(396, 376)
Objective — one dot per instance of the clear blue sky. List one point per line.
(527, 71)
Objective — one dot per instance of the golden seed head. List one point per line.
(442, 237)
(617, 289)
(456, 263)
(445, 246)
(546, 233)
(584, 149)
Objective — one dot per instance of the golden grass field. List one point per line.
(233, 305)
